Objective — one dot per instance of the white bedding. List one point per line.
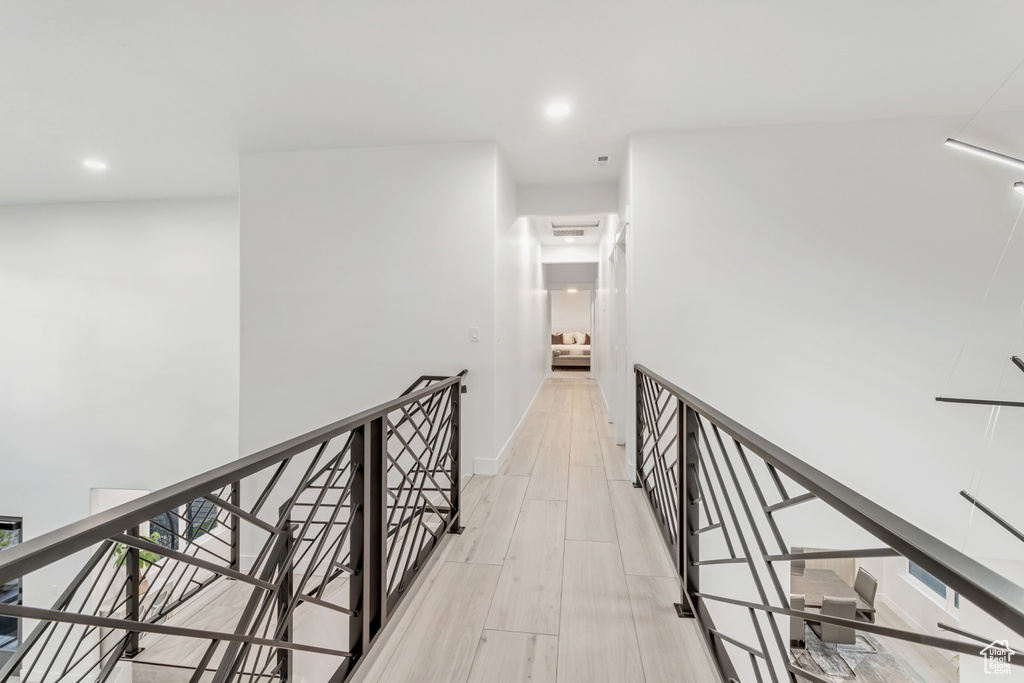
(571, 349)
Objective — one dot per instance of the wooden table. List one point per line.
(813, 584)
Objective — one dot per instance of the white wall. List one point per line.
(363, 269)
(814, 280)
(816, 283)
(624, 405)
(603, 364)
(120, 347)
(569, 253)
(568, 199)
(570, 311)
(522, 345)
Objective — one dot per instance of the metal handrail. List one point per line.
(393, 476)
(43, 550)
(985, 588)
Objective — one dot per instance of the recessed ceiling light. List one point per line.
(557, 110)
(570, 239)
(572, 291)
(95, 164)
(1019, 186)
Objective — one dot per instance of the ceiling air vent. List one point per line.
(573, 227)
(584, 224)
(602, 161)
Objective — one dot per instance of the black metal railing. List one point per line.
(714, 484)
(331, 527)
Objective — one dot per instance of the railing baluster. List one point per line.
(748, 555)
(456, 521)
(131, 559)
(372, 567)
(284, 604)
(689, 513)
(200, 671)
(690, 435)
(236, 526)
(358, 643)
(112, 659)
(638, 407)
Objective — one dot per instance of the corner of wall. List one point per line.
(491, 466)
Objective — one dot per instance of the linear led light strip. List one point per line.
(989, 154)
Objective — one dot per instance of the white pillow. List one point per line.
(568, 338)
(580, 337)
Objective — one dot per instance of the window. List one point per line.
(164, 527)
(927, 579)
(10, 593)
(931, 582)
(188, 522)
(200, 518)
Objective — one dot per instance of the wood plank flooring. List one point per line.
(527, 597)
(560, 575)
(925, 661)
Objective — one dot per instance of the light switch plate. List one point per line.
(474, 334)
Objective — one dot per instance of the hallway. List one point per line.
(560, 574)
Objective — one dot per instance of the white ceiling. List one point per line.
(170, 92)
(591, 236)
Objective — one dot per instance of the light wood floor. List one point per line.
(926, 662)
(560, 575)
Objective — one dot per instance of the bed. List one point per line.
(569, 355)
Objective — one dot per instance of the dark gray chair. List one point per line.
(844, 608)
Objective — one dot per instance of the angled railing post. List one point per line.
(378, 520)
(236, 526)
(638, 398)
(366, 539)
(689, 511)
(373, 568)
(456, 520)
(357, 552)
(131, 559)
(284, 597)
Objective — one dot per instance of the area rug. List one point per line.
(821, 659)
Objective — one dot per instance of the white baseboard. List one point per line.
(901, 613)
(491, 466)
(628, 468)
(604, 398)
(487, 466)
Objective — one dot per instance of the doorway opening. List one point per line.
(572, 313)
